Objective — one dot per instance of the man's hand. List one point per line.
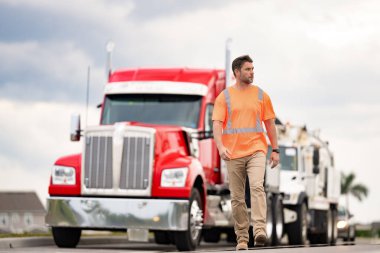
(274, 159)
(224, 153)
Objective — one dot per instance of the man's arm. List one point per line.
(272, 135)
(223, 151)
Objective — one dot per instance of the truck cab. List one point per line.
(147, 165)
(310, 185)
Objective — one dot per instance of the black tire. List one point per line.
(334, 238)
(270, 219)
(66, 237)
(211, 235)
(188, 240)
(251, 240)
(327, 236)
(278, 220)
(231, 236)
(162, 237)
(297, 231)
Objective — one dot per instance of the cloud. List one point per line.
(45, 71)
(34, 134)
(317, 60)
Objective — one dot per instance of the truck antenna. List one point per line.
(109, 48)
(228, 61)
(87, 91)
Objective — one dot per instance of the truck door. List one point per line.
(208, 153)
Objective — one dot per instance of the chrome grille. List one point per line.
(135, 163)
(98, 162)
(118, 160)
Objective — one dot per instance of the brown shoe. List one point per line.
(242, 246)
(260, 240)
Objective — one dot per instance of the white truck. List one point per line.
(310, 185)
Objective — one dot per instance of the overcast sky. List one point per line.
(318, 60)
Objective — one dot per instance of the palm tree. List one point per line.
(348, 186)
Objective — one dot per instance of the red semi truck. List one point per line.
(151, 165)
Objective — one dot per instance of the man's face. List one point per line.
(246, 74)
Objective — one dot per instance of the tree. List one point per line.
(348, 186)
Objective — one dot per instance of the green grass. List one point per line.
(367, 233)
(7, 235)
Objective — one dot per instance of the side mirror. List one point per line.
(316, 161)
(75, 127)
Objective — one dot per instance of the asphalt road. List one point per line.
(114, 245)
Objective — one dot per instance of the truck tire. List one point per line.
(188, 240)
(66, 237)
(211, 235)
(270, 220)
(326, 237)
(334, 214)
(278, 220)
(231, 236)
(297, 231)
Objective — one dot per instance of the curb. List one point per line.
(22, 242)
(8, 243)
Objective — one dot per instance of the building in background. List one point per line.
(21, 212)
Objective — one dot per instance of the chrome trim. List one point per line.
(117, 213)
(219, 212)
(116, 134)
(156, 87)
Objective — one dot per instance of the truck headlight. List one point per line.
(174, 177)
(63, 175)
(341, 224)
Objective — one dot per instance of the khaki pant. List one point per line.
(238, 169)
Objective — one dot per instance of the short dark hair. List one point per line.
(238, 62)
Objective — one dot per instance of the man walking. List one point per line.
(237, 124)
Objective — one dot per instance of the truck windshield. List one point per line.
(288, 158)
(162, 109)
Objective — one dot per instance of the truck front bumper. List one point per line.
(117, 213)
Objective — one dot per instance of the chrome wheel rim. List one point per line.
(196, 220)
(304, 223)
(279, 223)
(269, 222)
(329, 226)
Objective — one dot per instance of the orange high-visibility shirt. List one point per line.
(243, 133)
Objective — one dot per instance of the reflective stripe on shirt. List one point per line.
(229, 129)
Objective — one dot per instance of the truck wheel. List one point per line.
(334, 237)
(189, 239)
(231, 236)
(329, 229)
(211, 235)
(66, 237)
(297, 231)
(326, 236)
(278, 220)
(270, 220)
